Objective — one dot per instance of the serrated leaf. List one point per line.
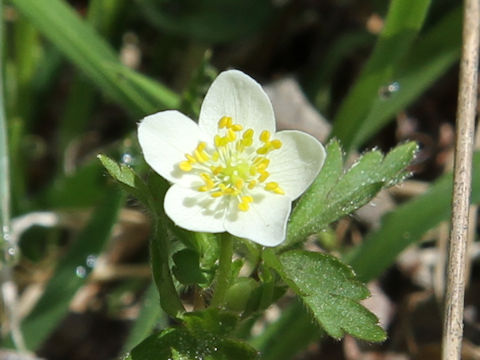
(126, 177)
(344, 193)
(202, 336)
(331, 292)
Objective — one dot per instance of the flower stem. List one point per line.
(224, 270)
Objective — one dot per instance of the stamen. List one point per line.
(232, 167)
(185, 166)
(277, 144)
(265, 136)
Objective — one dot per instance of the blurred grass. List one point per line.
(68, 277)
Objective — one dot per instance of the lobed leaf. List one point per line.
(334, 194)
(331, 292)
(203, 335)
(127, 178)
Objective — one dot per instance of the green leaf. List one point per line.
(127, 178)
(412, 66)
(331, 292)
(150, 316)
(404, 20)
(333, 194)
(203, 335)
(294, 327)
(187, 268)
(78, 41)
(407, 224)
(208, 20)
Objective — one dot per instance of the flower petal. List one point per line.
(237, 95)
(165, 138)
(264, 223)
(297, 163)
(195, 211)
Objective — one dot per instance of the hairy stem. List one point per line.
(224, 270)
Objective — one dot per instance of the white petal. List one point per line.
(195, 211)
(297, 163)
(264, 223)
(165, 138)
(237, 95)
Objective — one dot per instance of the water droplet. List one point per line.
(91, 261)
(385, 92)
(127, 159)
(11, 254)
(81, 272)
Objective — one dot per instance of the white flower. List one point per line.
(231, 171)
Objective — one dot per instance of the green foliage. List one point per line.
(70, 273)
(203, 335)
(407, 224)
(187, 268)
(334, 194)
(210, 20)
(151, 315)
(331, 292)
(404, 20)
(127, 178)
(80, 43)
(404, 55)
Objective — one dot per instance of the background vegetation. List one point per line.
(79, 75)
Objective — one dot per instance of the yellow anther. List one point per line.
(263, 150)
(252, 184)
(243, 206)
(237, 127)
(185, 166)
(263, 164)
(229, 191)
(225, 121)
(247, 142)
(231, 136)
(239, 184)
(216, 194)
(201, 146)
(276, 144)
(279, 191)
(271, 186)
(265, 136)
(247, 198)
(248, 134)
(253, 170)
(216, 170)
(263, 176)
(217, 140)
(215, 156)
(203, 188)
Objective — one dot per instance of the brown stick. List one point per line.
(467, 96)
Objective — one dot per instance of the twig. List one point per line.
(8, 247)
(453, 312)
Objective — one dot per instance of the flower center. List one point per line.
(233, 166)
